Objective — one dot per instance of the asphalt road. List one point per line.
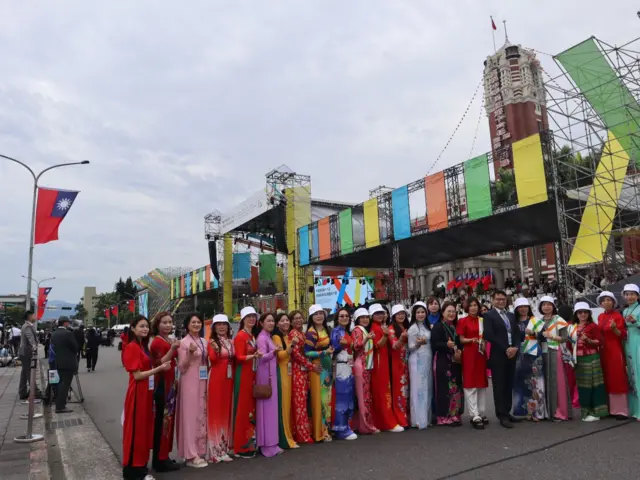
(571, 450)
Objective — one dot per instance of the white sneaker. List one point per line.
(201, 464)
(353, 436)
(397, 429)
(590, 418)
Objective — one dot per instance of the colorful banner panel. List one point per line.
(478, 187)
(344, 290)
(315, 241)
(241, 265)
(371, 223)
(267, 267)
(598, 215)
(400, 208)
(324, 239)
(599, 83)
(143, 304)
(303, 236)
(528, 169)
(436, 197)
(345, 223)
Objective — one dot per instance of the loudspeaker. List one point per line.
(213, 259)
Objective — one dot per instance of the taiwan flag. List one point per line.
(131, 304)
(43, 293)
(114, 311)
(51, 208)
(107, 313)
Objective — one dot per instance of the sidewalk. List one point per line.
(19, 461)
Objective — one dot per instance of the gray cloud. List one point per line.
(183, 110)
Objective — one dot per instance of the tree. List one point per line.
(104, 301)
(81, 312)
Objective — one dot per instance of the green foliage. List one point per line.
(125, 290)
(12, 316)
(574, 169)
(81, 312)
(504, 189)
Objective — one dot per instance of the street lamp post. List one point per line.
(36, 178)
(30, 437)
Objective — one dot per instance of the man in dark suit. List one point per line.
(79, 336)
(65, 349)
(502, 332)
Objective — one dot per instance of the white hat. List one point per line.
(521, 302)
(605, 294)
(397, 309)
(313, 309)
(547, 298)
(220, 318)
(361, 312)
(581, 306)
(375, 308)
(247, 311)
(420, 304)
(631, 287)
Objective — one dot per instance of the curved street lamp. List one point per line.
(36, 178)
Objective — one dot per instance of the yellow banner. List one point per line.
(528, 165)
(371, 224)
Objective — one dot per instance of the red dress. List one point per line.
(301, 367)
(382, 411)
(244, 407)
(474, 364)
(399, 377)
(612, 357)
(219, 400)
(159, 348)
(137, 429)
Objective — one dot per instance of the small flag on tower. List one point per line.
(51, 208)
(493, 24)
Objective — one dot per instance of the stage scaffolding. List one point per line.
(593, 154)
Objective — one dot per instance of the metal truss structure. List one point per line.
(596, 182)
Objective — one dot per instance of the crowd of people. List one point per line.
(288, 379)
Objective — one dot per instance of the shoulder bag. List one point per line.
(262, 392)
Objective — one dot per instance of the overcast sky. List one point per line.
(182, 107)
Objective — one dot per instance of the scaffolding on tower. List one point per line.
(594, 151)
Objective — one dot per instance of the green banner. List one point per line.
(267, 267)
(610, 98)
(346, 231)
(478, 187)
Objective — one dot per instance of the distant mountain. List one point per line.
(58, 308)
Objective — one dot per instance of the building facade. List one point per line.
(88, 302)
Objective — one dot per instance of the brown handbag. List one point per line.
(263, 392)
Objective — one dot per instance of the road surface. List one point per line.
(570, 450)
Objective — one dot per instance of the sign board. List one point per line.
(251, 208)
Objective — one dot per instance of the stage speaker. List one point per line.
(213, 259)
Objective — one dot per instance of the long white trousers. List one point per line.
(476, 401)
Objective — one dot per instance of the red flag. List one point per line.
(43, 293)
(107, 313)
(132, 305)
(493, 24)
(51, 208)
(451, 285)
(114, 310)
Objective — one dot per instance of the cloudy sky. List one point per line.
(183, 107)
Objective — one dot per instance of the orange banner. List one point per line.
(324, 239)
(435, 193)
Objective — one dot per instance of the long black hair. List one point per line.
(255, 330)
(277, 331)
(414, 310)
(132, 336)
(356, 322)
(262, 318)
(336, 321)
(187, 321)
(529, 313)
(396, 327)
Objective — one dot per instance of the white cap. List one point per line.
(247, 311)
(581, 306)
(397, 309)
(605, 294)
(631, 287)
(547, 298)
(361, 312)
(375, 308)
(313, 309)
(220, 318)
(521, 302)
(420, 304)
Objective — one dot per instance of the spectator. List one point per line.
(15, 339)
(65, 350)
(79, 336)
(28, 346)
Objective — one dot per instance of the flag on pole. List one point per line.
(493, 24)
(51, 208)
(131, 304)
(43, 293)
(114, 310)
(107, 313)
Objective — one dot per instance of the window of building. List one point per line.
(539, 126)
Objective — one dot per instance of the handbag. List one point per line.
(263, 392)
(54, 378)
